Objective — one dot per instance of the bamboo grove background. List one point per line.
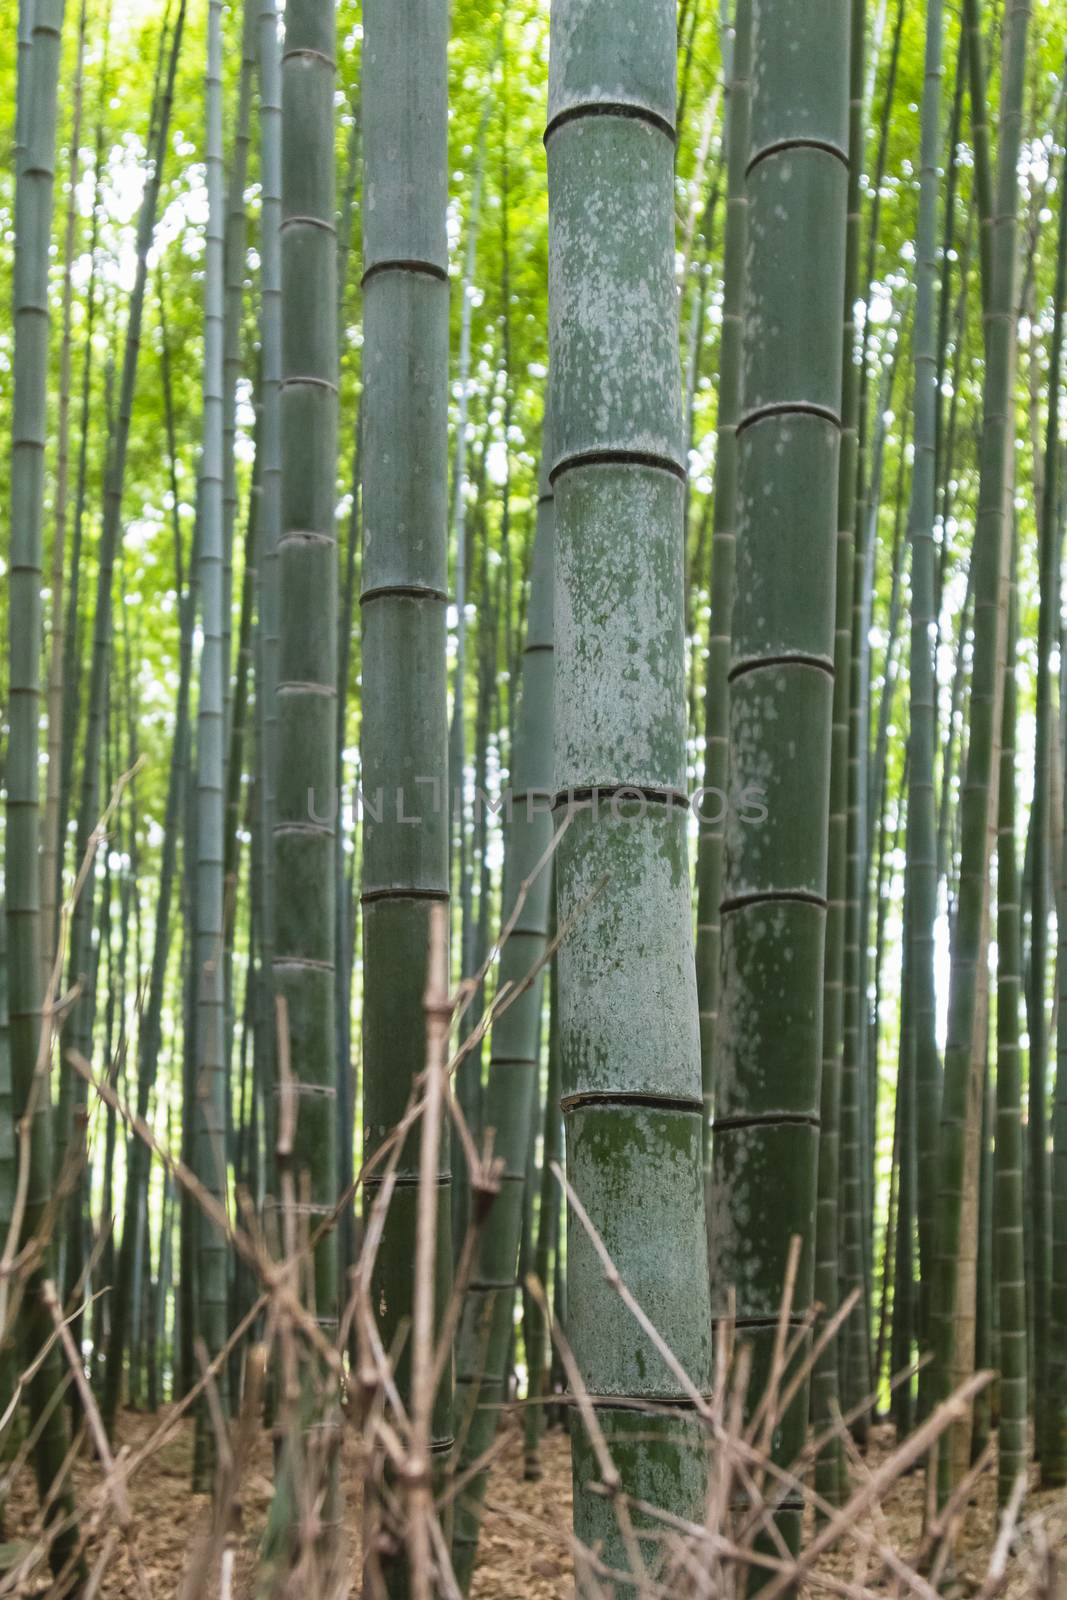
(283, 508)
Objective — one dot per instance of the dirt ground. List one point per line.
(523, 1554)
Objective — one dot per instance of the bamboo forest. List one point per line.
(533, 749)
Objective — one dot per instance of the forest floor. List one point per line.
(524, 1553)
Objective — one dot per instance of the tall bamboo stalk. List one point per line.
(50, 828)
(307, 808)
(72, 632)
(234, 253)
(847, 831)
(723, 542)
(922, 837)
(538, 1349)
(514, 1064)
(1013, 1446)
(210, 1001)
(781, 681)
(628, 1010)
(38, 75)
(405, 572)
(269, 451)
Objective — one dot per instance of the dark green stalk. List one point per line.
(855, 1376)
(72, 632)
(404, 578)
(948, 240)
(723, 542)
(983, 166)
(514, 1064)
(38, 77)
(307, 808)
(210, 1085)
(50, 842)
(269, 453)
(1013, 1447)
(922, 838)
(985, 1358)
(538, 1350)
(767, 1109)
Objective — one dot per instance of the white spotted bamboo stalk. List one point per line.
(631, 1089)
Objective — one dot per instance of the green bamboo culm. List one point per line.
(955, 1231)
(723, 542)
(629, 1037)
(9, 1364)
(234, 248)
(921, 825)
(854, 1347)
(306, 806)
(38, 78)
(511, 1097)
(404, 606)
(538, 1348)
(269, 455)
(767, 1106)
(211, 1086)
(836, 1246)
(1012, 1447)
(1054, 1434)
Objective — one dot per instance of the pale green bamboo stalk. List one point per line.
(50, 829)
(628, 1008)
